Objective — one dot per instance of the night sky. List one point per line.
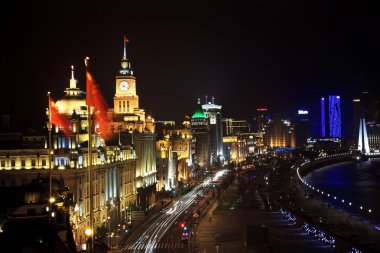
(283, 55)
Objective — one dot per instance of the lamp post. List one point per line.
(109, 231)
(88, 233)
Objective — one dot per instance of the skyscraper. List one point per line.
(302, 128)
(331, 118)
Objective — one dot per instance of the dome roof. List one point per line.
(199, 114)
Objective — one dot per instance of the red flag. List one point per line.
(126, 40)
(58, 119)
(95, 98)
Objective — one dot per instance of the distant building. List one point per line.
(302, 128)
(200, 129)
(213, 113)
(331, 118)
(235, 148)
(279, 133)
(260, 120)
(366, 109)
(174, 155)
(373, 132)
(232, 126)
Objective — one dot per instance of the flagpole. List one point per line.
(89, 165)
(50, 157)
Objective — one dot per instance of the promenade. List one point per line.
(234, 221)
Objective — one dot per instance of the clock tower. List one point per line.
(126, 99)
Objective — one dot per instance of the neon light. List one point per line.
(302, 112)
(262, 109)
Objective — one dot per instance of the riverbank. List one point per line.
(349, 230)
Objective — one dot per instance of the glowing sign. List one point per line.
(356, 100)
(262, 109)
(303, 112)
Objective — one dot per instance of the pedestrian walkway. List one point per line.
(225, 230)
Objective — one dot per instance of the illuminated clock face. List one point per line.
(123, 85)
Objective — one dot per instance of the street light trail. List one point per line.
(153, 234)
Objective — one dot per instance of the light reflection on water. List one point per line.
(356, 182)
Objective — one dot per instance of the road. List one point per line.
(164, 232)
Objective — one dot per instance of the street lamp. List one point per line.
(88, 233)
(109, 231)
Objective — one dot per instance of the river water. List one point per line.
(355, 182)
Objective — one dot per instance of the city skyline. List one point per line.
(233, 52)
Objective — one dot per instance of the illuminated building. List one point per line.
(173, 154)
(166, 166)
(213, 113)
(260, 120)
(129, 118)
(279, 133)
(200, 133)
(123, 169)
(232, 126)
(373, 131)
(331, 119)
(366, 109)
(114, 168)
(235, 148)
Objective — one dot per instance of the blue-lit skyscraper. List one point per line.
(335, 117)
(323, 120)
(331, 118)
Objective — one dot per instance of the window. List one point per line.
(2, 163)
(22, 163)
(33, 163)
(43, 162)
(13, 163)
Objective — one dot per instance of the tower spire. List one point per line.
(125, 48)
(125, 64)
(73, 82)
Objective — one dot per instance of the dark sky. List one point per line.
(283, 55)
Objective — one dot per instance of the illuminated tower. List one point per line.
(127, 114)
(363, 145)
(213, 113)
(129, 120)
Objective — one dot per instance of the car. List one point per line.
(185, 236)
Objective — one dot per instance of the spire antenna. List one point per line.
(72, 72)
(125, 48)
(73, 82)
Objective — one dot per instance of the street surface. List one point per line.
(171, 230)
